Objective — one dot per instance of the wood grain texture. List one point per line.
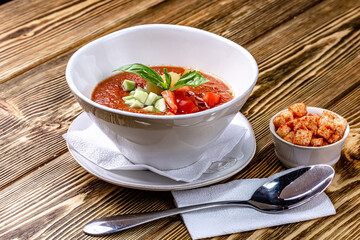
(31, 32)
(49, 206)
(306, 50)
(72, 23)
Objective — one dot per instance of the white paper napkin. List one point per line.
(95, 146)
(226, 220)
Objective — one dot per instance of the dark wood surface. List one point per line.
(306, 51)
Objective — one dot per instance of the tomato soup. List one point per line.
(110, 93)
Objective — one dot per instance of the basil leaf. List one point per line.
(167, 79)
(146, 73)
(192, 79)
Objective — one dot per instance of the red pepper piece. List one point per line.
(169, 97)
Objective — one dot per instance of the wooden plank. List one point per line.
(34, 110)
(34, 37)
(41, 206)
(28, 37)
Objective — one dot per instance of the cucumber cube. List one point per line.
(137, 104)
(128, 98)
(150, 109)
(128, 85)
(130, 102)
(151, 99)
(140, 89)
(140, 96)
(132, 93)
(160, 105)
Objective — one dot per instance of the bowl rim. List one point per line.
(346, 133)
(76, 92)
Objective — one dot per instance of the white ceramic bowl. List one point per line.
(292, 155)
(164, 142)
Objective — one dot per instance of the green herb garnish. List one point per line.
(145, 72)
(167, 79)
(192, 78)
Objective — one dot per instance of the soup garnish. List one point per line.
(164, 90)
(191, 78)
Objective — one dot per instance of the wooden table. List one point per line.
(306, 51)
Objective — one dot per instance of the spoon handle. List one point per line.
(107, 225)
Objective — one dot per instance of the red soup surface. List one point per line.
(110, 93)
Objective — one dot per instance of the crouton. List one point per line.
(278, 121)
(302, 137)
(283, 130)
(327, 122)
(298, 109)
(287, 115)
(310, 123)
(297, 124)
(315, 117)
(329, 114)
(324, 132)
(340, 126)
(292, 123)
(312, 127)
(290, 137)
(316, 142)
(334, 138)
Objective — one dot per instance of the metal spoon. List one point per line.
(283, 192)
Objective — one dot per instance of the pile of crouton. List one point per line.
(295, 126)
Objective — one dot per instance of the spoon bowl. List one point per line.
(293, 188)
(283, 191)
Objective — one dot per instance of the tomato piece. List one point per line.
(211, 99)
(179, 95)
(184, 103)
(187, 106)
(169, 97)
(183, 89)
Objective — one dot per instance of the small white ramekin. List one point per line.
(292, 155)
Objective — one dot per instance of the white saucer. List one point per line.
(147, 180)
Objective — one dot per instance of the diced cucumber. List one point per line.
(130, 102)
(151, 99)
(160, 105)
(140, 96)
(140, 89)
(128, 98)
(128, 85)
(137, 104)
(150, 109)
(132, 93)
